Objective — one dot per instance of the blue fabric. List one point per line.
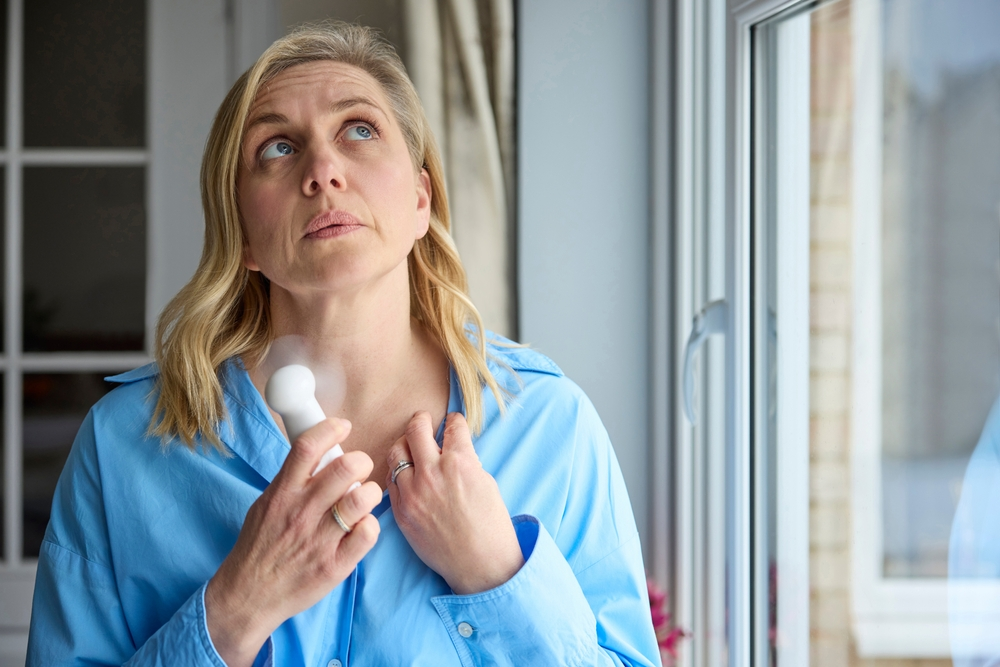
(137, 530)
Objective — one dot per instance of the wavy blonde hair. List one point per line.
(224, 311)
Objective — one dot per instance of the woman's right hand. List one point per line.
(290, 552)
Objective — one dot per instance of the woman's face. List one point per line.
(329, 196)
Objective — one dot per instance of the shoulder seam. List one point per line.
(73, 553)
(149, 370)
(513, 358)
(621, 544)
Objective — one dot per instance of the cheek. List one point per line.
(258, 210)
(398, 196)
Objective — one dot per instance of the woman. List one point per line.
(186, 531)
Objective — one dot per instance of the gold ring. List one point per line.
(340, 521)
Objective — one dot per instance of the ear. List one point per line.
(248, 260)
(424, 197)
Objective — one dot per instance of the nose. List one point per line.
(324, 170)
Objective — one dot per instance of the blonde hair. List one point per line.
(223, 312)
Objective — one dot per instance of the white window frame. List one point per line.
(790, 110)
(194, 51)
(703, 573)
(893, 617)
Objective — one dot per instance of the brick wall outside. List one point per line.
(830, 336)
(830, 345)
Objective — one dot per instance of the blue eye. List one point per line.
(277, 149)
(358, 133)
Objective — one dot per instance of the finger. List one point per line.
(457, 437)
(420, 438)
(399, 452)
(354, 505)
(393, 492)
(309, 448)
(335, 480)
(359, 541)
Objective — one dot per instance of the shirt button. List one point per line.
(334, 663)
(465, 629)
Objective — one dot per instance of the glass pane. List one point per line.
(84, 258)
(940, 257)
(54, 407)
(84, 73)
(877, 333)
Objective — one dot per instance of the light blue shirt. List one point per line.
(974, 556)
(137, 530)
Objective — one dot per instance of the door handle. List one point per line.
(712, 319)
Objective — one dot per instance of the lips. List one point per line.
(331, 223)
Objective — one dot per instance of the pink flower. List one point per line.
(667, 638)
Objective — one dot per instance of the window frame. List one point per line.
(14, 362)
(700, 463)
(780, 266)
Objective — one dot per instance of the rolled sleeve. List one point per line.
(539, 617)
(184, 640)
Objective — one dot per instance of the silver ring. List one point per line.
(400, 467)
(340, 521)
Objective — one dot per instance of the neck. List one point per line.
(368, 334)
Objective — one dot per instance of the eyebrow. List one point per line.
(336, 107)
(353, 102)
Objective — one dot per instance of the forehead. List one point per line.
(323, 81)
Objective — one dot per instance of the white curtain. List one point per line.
(460, 55)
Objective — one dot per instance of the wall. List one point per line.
(583, 214)
(384, 15)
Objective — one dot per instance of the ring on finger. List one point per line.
(400, 467)
(340, 521)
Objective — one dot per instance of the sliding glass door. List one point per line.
(860, 322)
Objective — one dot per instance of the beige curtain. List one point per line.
(460, 55)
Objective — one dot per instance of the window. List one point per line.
(861, 313)
(74, 162)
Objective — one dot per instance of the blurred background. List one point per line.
(827, 173)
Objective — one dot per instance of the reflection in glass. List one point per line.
(940, 259)
(84, 73)
(54, 407)
(84, 258)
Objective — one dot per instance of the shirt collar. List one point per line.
(251, 433)
(249, 430)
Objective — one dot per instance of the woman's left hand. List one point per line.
(450, 509)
